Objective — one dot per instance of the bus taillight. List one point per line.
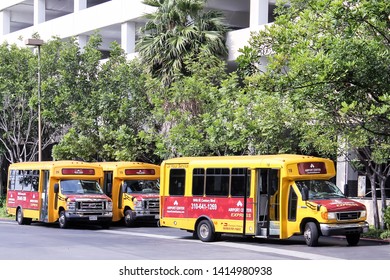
(78, 171)
(139, 171)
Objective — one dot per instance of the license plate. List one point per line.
(93, 218)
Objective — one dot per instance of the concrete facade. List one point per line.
(116, 20)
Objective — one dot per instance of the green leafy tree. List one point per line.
(106, 105)
(78, 78)
(177, 29)
(178, 110)
(19, 93)
(329, 60)
(210, 113)
(18, 121)
(124, 108)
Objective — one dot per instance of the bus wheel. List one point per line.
(353, 239)
(311, 234)
(205, 231)
(106, 225)
(129, 218)
(62, 220)
(19, 217)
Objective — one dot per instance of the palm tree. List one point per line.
(176, 30)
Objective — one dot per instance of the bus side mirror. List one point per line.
(305, 194)
(56, 188)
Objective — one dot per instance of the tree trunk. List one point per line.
(382, 180)
(373, 177)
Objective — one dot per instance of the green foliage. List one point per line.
(3, 213)
(385, 234)
(18, 129)
(107, 106)
(176, 30)
(386, 217)
(328, 60)
(373, 233)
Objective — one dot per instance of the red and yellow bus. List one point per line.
(57, 191)
(134, 190)
(266, 196)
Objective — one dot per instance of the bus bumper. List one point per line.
(90, 218)
(343, 229)
(146, 216)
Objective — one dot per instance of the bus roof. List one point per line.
(49, 164)
(128, 164)
(272, 160)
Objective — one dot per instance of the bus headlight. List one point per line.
(329, 215)
(71, 205)
(138, 203)
(332, 216)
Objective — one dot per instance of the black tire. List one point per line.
(311, 234)
(19, 216)
(27, 221)
(106, 225)
(129, 218)
(353, 239)
(205, 231)
(62, 220)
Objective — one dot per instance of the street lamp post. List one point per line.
(38, 43)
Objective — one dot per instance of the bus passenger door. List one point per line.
(267, 192)
(44, 197)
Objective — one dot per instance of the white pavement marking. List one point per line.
(257, 248)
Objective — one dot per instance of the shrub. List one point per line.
(386, 217)
(385, 234)
(373, 233)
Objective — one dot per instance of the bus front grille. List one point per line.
(151, 205)
(345, 216)
(91, 205)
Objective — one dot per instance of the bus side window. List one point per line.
(217, 181)
(11, 183)
(19, 180)
(292, 205)
(238, 182)
(198, 181)
(177, 181)
(35, 180)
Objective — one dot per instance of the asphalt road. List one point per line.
(43, 251)
(148, 242)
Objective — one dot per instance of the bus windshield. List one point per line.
(80, 187)
(320, 189)
(141, 186)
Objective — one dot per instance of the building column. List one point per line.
(346, 175)
(82, 41)
(5, 22)
(39, 11)
(128, 37)
(258, 13)
(79, 5)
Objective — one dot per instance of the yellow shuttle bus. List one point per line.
(265, 196)
(57, 191)
(134, 189)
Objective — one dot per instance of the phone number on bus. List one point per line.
(204, 206)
